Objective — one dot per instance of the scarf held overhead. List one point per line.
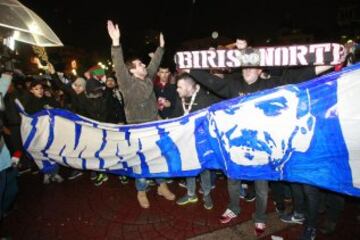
(295, 55)
(304, 133)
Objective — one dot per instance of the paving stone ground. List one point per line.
(79, 210)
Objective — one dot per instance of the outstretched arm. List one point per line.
(122, 74)
(114, 33)
(156, 60)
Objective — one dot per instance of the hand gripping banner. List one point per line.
(307, 133)
(295, 55)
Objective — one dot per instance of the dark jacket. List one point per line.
(115, 107)
(34, 104)
(77, 102)
(169, 93)
(203, 100)
(233, 85)
(139, 96)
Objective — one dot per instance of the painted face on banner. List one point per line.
(267, 129)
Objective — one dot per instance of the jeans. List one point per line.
(335, 205)
(205, 184)
(141, 184)
(234, 195)
(306, 201)
(278, 194)
(261, 193)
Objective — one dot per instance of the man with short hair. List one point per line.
(165, 92)
(193, 98)
(135, 82)
(234, 85)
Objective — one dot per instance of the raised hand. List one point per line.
(162, 41)
(114, 32)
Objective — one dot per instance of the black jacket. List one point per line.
(233, 85)
(77, 102)
(203, 100)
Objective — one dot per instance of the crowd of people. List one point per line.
(136, 93)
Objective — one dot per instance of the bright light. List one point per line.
(215, 35)
(34, 28)
(9, 42)
(16, 34)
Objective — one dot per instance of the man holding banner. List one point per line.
(135, 82)
(242, 136)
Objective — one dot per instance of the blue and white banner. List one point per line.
(305, 133)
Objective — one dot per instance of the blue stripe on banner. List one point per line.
(83, 160)
(169, 150)
(51, 136)
(32, 133)
(144, 165)
(97, 153)
(124, 164)
(78, 129)
(63, 157)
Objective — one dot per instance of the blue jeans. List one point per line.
(261, 193)
(306, 201)
(205, 184)
(141, 184)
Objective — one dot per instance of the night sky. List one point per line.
(83, 23)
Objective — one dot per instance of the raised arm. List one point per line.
(67, 89)
(219, 86)
(156, 59)
(122, 74)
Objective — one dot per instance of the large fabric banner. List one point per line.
(306, 133)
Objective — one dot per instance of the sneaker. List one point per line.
(295, 217)
(242, 193)
(182, 184)
(227, 216)
(22, 169)
(46, 179)
(259, 228)
(93, 176)
(124, 180)
(308, 234)
(35, 171)
(208, 203)
(280, 211)
(75, 174)
(202, 192)
(250, 198)
(101, 178)
(57, 178)
(186, 200)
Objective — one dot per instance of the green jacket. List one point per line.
(139, 97)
